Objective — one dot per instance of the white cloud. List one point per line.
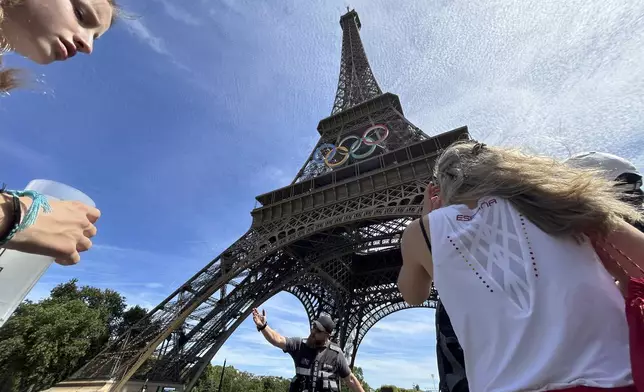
(142, 32)
(404, 371)
(515, 74)
(412, 326)
(280, 364)
(178, 13)
(276, 177)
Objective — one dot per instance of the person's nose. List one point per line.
(85, 45)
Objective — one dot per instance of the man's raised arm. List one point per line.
(353, 383)
(344, 371)
(271, 336)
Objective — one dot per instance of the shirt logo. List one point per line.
(467, 218)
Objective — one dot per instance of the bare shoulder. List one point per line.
(413, 235)
(413, 245)
(415, 277)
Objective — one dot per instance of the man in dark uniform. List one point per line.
(319, 363)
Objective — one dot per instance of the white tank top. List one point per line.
(532, 312)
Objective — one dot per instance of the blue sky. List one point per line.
(186, 112)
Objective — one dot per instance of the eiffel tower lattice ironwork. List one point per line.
(331, 238)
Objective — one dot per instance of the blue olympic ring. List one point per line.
(327, 151)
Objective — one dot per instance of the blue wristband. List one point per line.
(39, 202)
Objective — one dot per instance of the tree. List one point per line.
(45, 342)
(238, 381)
(110, 303)
(130, 317)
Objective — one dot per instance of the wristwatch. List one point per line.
(260, 328)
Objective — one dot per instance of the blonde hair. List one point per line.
(9, 78)
(560, 200)
(12, 78)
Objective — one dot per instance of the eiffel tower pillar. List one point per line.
(331, 238)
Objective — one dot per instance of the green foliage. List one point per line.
(238, 381)
(45, 342)
(129, 318)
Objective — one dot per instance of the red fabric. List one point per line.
(635, 319)
(628, 268)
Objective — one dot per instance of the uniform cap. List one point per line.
(612, 165)
(325, 323)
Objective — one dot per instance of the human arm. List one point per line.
(629, 240)
(414, 281)
(345, 373)
(620, 253)
(61, 233)
(353, 383)
(274, 338)
(270, 334)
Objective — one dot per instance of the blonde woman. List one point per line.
(45, 31)
(51, 30)
(532, 305)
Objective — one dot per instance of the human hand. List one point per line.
(259, 319)
(61, 233)
(432, 200)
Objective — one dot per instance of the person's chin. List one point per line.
(44, 53)
(41, 58)
(45, 61)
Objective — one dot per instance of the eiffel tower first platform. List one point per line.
(331, 238)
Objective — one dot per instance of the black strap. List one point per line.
(422, 228)
(16, 217)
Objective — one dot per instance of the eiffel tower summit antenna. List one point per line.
(331, 238)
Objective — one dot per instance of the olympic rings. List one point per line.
(326, 152)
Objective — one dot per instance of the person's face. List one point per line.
(317, 337)
(631, 186)
(55, 30)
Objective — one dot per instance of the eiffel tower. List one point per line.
(331, 238)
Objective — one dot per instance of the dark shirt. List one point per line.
(331, 363)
